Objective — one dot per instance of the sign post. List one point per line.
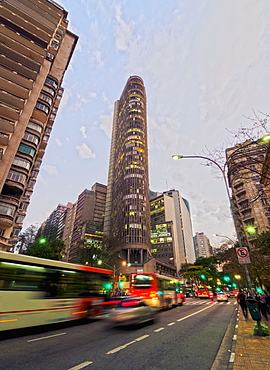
(243, 255)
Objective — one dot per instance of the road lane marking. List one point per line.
(125, 345)
(141, 338)
(234, 337)
(82, 365)
(232, 357)
(50, 336)
(236, 326)
(195, 313)
(157, 330)
(171, 323)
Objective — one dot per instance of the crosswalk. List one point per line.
(197, 303)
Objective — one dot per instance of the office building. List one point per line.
(171, 229)
(35, 50)
(202, 245)
(127, 215)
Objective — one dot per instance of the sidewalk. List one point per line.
(251, 352)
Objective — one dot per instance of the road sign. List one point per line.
(242, 255)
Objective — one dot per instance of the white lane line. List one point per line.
(82, 365)
(50, 336)
(171, 323)
(232, 357)
(195, 313)
(236, 326)
(157, 330)
(234, 337)
(125, 345)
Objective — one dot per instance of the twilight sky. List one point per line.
(205, 65)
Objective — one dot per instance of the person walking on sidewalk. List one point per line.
(241, 299)
(262, 301)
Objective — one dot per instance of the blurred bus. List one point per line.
(203, 291)
(35, 291)
(157, 290)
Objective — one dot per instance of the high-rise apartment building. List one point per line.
(88, 223)
(202, 245)
(35, 50)
(250, 195)
(127, 215)
(53, 225)
(171, 228)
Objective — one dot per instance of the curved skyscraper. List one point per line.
(127, 215)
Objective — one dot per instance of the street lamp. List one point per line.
(223, 171)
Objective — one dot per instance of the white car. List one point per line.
(131, 310)
(221, 296)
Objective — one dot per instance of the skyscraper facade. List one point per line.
(171, 229)
(127, 214)
(202, 245)
(35, 50)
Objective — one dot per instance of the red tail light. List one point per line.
(130, 303)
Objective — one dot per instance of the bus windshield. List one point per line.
(143, 282)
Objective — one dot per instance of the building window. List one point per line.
(42, 107)
(252, 168)
(264, 202)
(2, 232)
(27, 149)
(16, 176)
(52, 82)
(49, 90)
(20, 162)
(45, 98)
(30, 137)
(35, 126)
(6, 209)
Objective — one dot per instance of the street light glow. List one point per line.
(265, 138)
(175, 156)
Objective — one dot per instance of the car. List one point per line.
(131, 310)
(222, 296)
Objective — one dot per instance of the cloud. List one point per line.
(85, 152)
(123, 30)
(106, 124)
(83, 131)
(98, 59)
(51, 170)
(58, 142)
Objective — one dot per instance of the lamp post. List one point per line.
(223, 171)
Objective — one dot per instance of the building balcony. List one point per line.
(9, 199)
(6, 126)
(239, 190)
(247, 216)
(4, 139)
(4, 246)
(6, 221)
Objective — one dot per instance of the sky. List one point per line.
(205, 65)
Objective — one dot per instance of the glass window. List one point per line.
(51, 82)
(48, 90)
(22, 162)
(43, 107)
(35, 126)
(46, 98)
(30, 137)
(16, 176)
(27, 149)
(7, 209)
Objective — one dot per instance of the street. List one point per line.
(185, 337)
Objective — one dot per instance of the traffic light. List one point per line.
(202, 276)
(251, 230)
(226, 278)
(42, 241)
(121, 284)
(108, 286)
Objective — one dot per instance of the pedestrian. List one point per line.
(267, 301)
(241, 299)
(262, 300)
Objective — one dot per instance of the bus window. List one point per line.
(143, 282)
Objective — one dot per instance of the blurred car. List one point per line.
(235, 292)
(131, 310)
(221, 296)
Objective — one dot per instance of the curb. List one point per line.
(225, 357)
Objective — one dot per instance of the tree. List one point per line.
(53, 250)
(26, 238)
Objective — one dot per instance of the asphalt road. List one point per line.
(186, 337)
